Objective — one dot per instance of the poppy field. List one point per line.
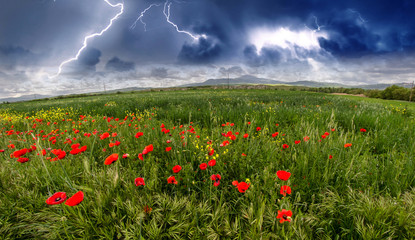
(207, 164)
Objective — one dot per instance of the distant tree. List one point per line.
(396, 92)
(388, 92)
(373, 93)
(401, 93)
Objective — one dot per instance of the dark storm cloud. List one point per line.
(159, 73)
(90, 57)
(86, 63)
(355, 27)
(235, 70)
(203, 51)
(116, 64)
(11, 56)
(267, 56)
(389, 26)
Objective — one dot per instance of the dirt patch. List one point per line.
(357, 95)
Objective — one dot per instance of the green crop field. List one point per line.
(202, 164)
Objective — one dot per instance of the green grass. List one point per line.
(365, 191)
(387, 103)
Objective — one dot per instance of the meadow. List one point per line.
(203, 164)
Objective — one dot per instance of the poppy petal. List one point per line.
(76, 199)
(56, 198)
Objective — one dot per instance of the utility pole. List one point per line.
(412, 90)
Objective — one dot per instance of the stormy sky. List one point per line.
(187, 41)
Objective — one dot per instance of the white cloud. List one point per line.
(285, 38)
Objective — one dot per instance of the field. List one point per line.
(345, 165)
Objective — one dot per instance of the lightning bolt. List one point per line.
(85, 44)
(140, 18)
(166, 12)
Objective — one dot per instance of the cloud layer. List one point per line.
(321, 40)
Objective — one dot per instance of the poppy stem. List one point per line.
(67, 177)
(90, 155)
(43, 161)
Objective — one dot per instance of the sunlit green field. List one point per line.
(351, 163)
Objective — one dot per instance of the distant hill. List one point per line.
(383, 86)
(24, 98)
(123, 90)
(248, 79)
(38, 96)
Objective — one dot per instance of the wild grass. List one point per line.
(365, 191)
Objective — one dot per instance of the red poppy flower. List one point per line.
(211, 152)
(59, 153)
(306, 138)
(177, 168)
(20, 153)
(275, 134)
(212, 162)
(285, 146)
(297, 141)
(224, 143)
(139, 181)
(104, 136)
(140, 156)
(1, 150)
(330, 156)
(56, 198)
(111, 158)
(75, 151)
(326, 133)
(235, 183)
(363, 130)
(246, 135)
(125, 155)
(285, 190)
(347, 145)
(323, 136)
(148, 149)
(258, 129)
(168, 149)
(285, 215)
(283, 175)
(203, 166)
(139, 134)
(171, 180)
(76, 145)
(243, 154)
(22, 160)
(216, 178)
(147, 209)
(243, 186)
(76, 199)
